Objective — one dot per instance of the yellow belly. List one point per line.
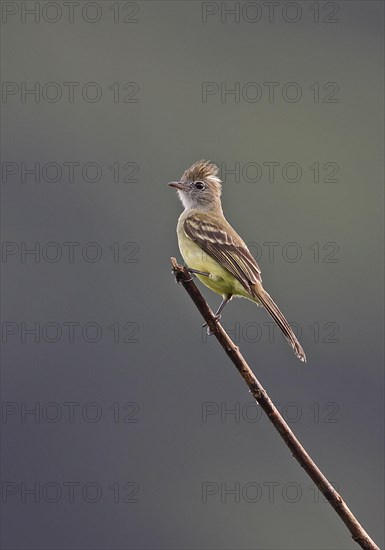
(220, 279)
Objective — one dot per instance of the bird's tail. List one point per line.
(267, 301)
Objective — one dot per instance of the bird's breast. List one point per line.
(220, 280)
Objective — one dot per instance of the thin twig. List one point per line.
(259, 393)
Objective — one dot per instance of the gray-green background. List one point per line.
(167, 371)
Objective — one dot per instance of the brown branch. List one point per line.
(358, 533)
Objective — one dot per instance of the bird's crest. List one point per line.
(203, 170)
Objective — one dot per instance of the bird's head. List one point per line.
(200, 187)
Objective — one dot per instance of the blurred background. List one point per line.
(123, 425)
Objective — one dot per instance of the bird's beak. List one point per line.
(177, 185)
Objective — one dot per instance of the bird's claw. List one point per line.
(217, 318)
(179, 280)
(192, 277)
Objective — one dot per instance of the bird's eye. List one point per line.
(199, 185)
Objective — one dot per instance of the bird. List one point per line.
(213, 250)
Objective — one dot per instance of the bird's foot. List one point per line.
(217, 318)
(192, 277)
(178, 278)
(192, 271)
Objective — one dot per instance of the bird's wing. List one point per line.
(223, 244)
